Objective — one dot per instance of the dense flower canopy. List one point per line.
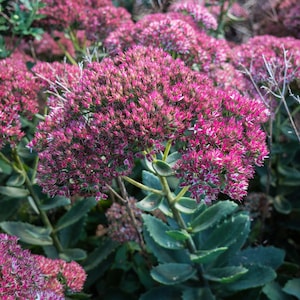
(134, 103)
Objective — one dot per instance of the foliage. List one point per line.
(134, 146)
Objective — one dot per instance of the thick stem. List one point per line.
(178, 218)
(142, 186)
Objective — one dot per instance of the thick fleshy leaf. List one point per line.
(16, 180)
(163, 293)
(186, 205)
(164, 255)
(178, 235)
(228, 231)
(173, 158)
(151, 180)
(5, 168)
(226, 274)
(213, 214)
(282, 205)
(162, 168)
(55, 202)
(73, 254)
(150, 202)
(28, 233)
(198, 294)
(292, 287)
(158, 231)
(273, 291)
(172, 273)
(256, 276)
(13, 192)
(99, 254)
(206, 256)
(267, 256)
(77, 211)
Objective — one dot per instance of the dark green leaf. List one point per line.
(78, 210)
(11, 207)
(256, 276)
(164, 255)
(213, 214)
(55, 202)
(163, 293)
(226, 274)
(28, 233)
(267, 256)
(162, 168)
(198, 294)
(73, 254)
(288, 171)
(99, 254)
(13, 192)
(186, 205)
(273, 291)
(178, 235)
(150, 202)
(292, 287)
(5, 168)
(206, 256)
(151, 180)
(16, 180)
(157, 230)
(172, 273)
(282, 205)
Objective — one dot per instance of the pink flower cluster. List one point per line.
(61, 276)
(254, 54)
(18, 97)
(20, 276)
(135, 102)
(225, 143)
(121, 228)
(25, 276)
(199, 13)
(121, 106)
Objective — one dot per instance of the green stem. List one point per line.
(43, 215)
(142, 186)
(178, 218)
(167, 150)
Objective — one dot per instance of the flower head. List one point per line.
(18, 97)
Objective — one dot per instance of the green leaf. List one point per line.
(186, 205)
(267, 256)
(292, 287)
(78, 210)
(207, 256)
(16, 180)
(226, 233)
(273, 291)
(282, 205)
(226, 274)
(164, 255)
(173, 158)
(163, 293)
(172, 273)
(256, 276)
(13, 192)
(158, 231)
(178, 235)
(5, 168)
(99, 254)
(212, 215)
(11, 207)
(73, 254)
(151, 180)
(150, 202)
(57, 201)
(28, 233)
(198, 294)
(288, 171)
(162, 168)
